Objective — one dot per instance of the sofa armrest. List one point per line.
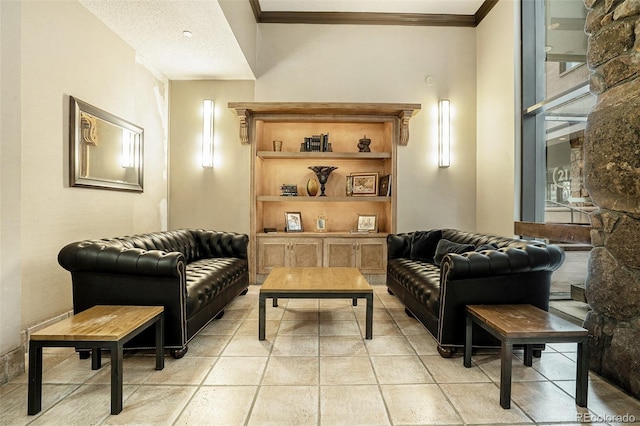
(222, 244)
(509, 260)
(99, 257)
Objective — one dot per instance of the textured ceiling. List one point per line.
(154, 28)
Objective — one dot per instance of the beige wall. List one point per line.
(344, 63)
(66, 51)
(10, 291)
(216, 198)
(497, 65)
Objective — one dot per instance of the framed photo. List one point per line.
(321, 223)
(368, 222)
(364, 184)
(293, 221)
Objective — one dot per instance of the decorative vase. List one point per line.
(323, 173)
(312, 187)
(363, 144)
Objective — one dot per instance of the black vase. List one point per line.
(323, 173)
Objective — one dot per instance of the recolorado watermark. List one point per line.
(607, 418)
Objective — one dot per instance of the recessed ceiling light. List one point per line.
(187, 34)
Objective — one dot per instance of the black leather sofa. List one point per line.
(437, 273)
(193, 273)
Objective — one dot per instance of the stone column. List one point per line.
(612, 177)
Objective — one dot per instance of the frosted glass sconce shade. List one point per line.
(207, 133)
(444, 133)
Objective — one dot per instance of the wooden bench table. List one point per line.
(97, 328)
(527, 325)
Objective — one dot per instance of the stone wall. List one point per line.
(612, 177)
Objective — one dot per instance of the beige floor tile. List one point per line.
(219, 405)
(247, 346)
(432, 408)
(555, 366)
(153, 405)
(345, 370)
(452, 370)
(303, 304)
(295, 346)
(380, 328)
(72, 370)
(411, 327)
(336, 313)
(249, 327)
(271, 313)
(88, 404)
(379, 313)
(490, 364)
(299, 370)
(605, 400)
(135, 370)
(285, 405)
(389, 345)
(545, 402)
(241, 370)
(207, 345)
(479, 403)
(188, 371)
(327, 304)
(301, 314)
(423, 343)
(13, 405)
(221, 327)
(298, 328)
(339, 328)
(342, 345)
(400, 369)
(352, 405)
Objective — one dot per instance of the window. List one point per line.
(556, 102)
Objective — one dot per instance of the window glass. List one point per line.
(556, 104)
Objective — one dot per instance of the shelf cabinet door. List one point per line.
(272, 253)
(275, 252)
(305, 252)
(371, 255)
(340, 252)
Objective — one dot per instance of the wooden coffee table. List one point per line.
(527, 325)
(99, 327)
(315, 283)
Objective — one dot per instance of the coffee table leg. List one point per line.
(116, 377)
(582, 375)
(96, 358)
(261, 316)
(369, 325)
(506, 355)
(528, 355)
(34, 398)
(160, 342)
(468, 339)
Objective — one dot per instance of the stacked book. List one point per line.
(316, 143)
(289, 190)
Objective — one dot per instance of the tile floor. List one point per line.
(315, 368)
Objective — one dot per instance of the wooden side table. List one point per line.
(100, 327)
(527, 325)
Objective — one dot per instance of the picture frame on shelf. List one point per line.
(384, 186)
(293, 221)
(368, 222)
(364, 184)
(321, 223)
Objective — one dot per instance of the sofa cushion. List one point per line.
(489, 246)
(445, 246)
(423, 245)
(420, 279)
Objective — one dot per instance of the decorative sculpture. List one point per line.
(323, 173)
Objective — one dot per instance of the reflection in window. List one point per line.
(556, 104)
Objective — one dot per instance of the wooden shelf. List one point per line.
(328, 155)
(318, 199)
(335, 234)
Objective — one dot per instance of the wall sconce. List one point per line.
(207, 133)
(444, 133)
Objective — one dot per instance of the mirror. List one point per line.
(105, 151)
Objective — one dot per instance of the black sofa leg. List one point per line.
(178, 353)
(245, 291)
(219, 315)
(390, 292)
(446, 351)
(409, 313)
